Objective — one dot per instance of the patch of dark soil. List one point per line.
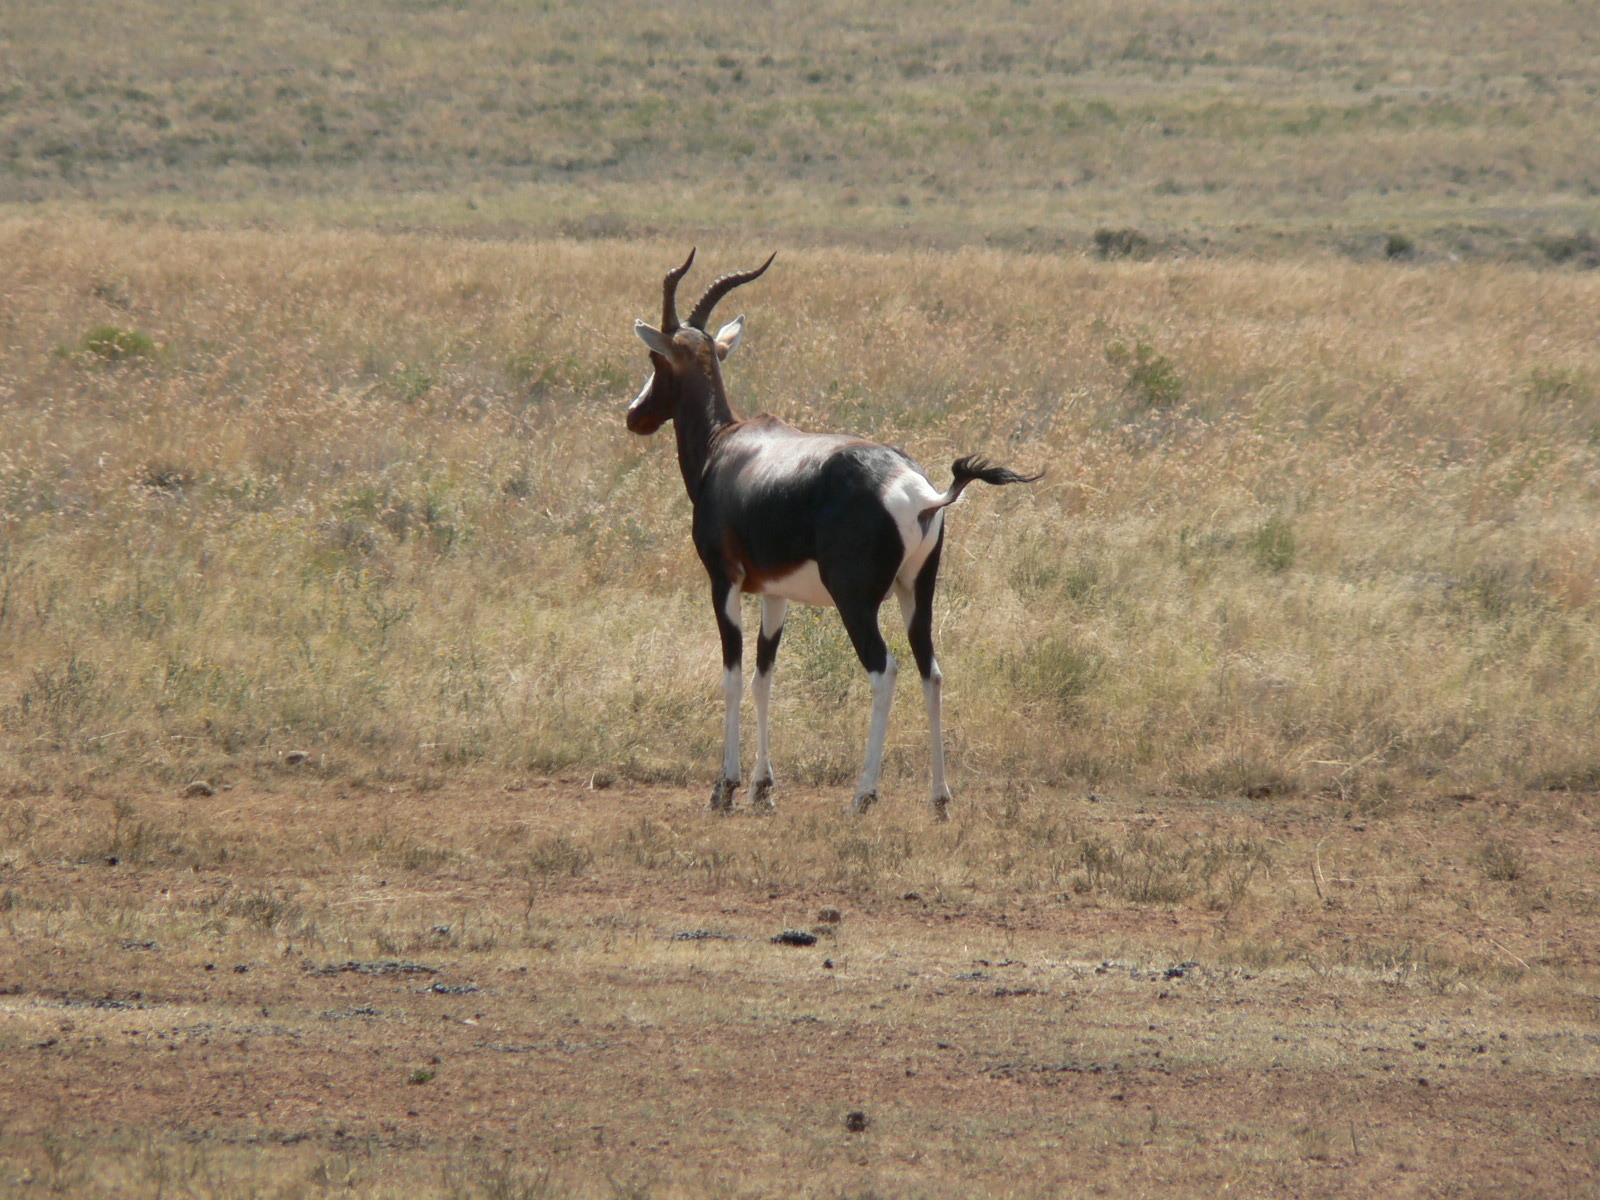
(373, 968)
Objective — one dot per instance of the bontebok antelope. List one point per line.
(821, 518)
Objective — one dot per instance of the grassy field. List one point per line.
(325, 554)
(1464, 129)
(359, 694)
(1307, 527)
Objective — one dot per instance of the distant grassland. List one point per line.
(1322, 525)
(1467, 128)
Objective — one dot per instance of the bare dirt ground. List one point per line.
(534, 987)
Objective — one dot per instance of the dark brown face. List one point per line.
(657, 403)
(689, 359)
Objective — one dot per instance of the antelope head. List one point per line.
(683, 355)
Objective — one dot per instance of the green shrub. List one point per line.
(1557, 385)
(1152, 378)
(1581, 248)
(1121, 243)
(113, 345)
(1273, 545)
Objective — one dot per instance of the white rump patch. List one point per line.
(906, 496)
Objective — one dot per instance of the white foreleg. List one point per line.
(773, 609)
(732, 695)
(732, 628)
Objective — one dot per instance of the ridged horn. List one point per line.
(669, 295)
(719, 289)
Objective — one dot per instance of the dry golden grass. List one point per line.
(1308, 526)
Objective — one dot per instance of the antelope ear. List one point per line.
(728, 336)
(658, 342)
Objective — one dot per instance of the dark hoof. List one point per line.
(722, 796)
(761, 795)
(863, 802)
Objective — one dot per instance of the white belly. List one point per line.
(803, 584)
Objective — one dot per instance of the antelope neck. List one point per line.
(703, 413)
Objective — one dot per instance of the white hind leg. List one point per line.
(916, 606)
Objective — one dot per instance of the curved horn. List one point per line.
(669, 295)
(719, 289)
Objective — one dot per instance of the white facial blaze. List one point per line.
(644, 394)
